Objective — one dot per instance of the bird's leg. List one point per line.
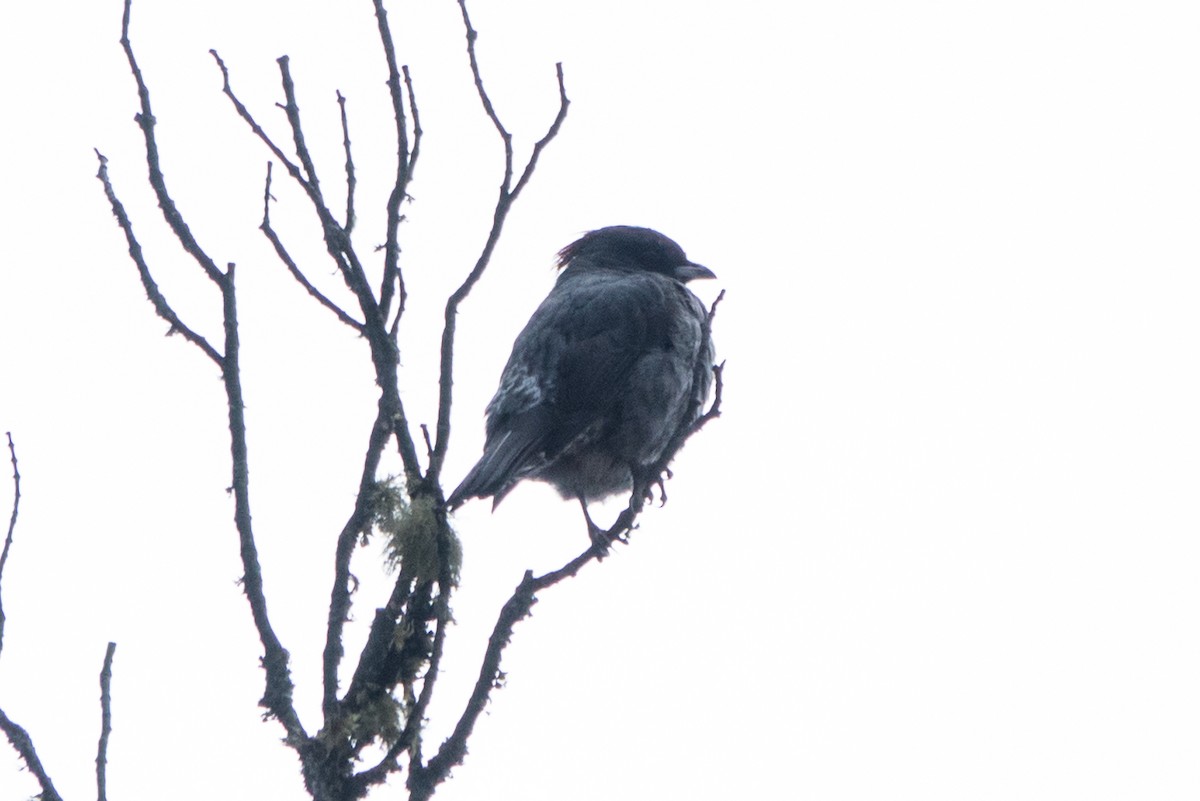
(597, 535)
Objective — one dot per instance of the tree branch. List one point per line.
(12, 523)
(161, 307)
(384, 356)
(551, 132)
(277, 698)
(332, 230)
(20, 739)
(105, 723)
(508, 194)
(244, 113)
(339, 600)
(406, 162)
(337, 242)
(282, 252)
(292, 110)
(23, 744)
(488, 108)
(351, 180)
(146, 121)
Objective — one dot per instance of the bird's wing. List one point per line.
(579, 348)
(568, 369)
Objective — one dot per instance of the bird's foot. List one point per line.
(645, 480)
(601, 544)
(602, 539)
(662, 489)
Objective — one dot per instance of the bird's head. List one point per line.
(626, 247)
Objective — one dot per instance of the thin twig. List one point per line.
(23, 744)
(351, 180)
(538, 146)
(337, 240)
(145, 120)
(293, 114)
(12, 522)
(405, 163)
(105, 723)
(161, 307)
(508, 194)
(415, 150)
(244, 113)
(428, 441)
(20, 739)
(413, 155)
(336, 236)
(284, 256)
(488, 108)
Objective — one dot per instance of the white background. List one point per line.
(942, 544)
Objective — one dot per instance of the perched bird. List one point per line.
(611, 365)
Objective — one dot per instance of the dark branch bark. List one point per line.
(339, 601)
(278, 696)
(12, 524)
(293, 114)
(551, 132)
(23, 744)
(384, 355)
(406, 162)
(161, 307)
(105, 723)
(145, 120)
(244, 113)
(351, 180)
(20, 739)
(282, 252)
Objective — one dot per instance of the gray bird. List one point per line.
(611, 365)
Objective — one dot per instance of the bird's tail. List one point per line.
(505, 461)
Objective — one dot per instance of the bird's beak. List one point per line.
(690, 272)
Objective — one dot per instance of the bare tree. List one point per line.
(383, 707)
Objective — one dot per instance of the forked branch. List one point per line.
(507, 196)
(21, 742)
(407, 152)
(278, 696)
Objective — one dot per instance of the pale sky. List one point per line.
(943, 543)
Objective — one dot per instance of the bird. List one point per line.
(611, 366)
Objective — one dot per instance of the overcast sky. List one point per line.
(943, 543)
